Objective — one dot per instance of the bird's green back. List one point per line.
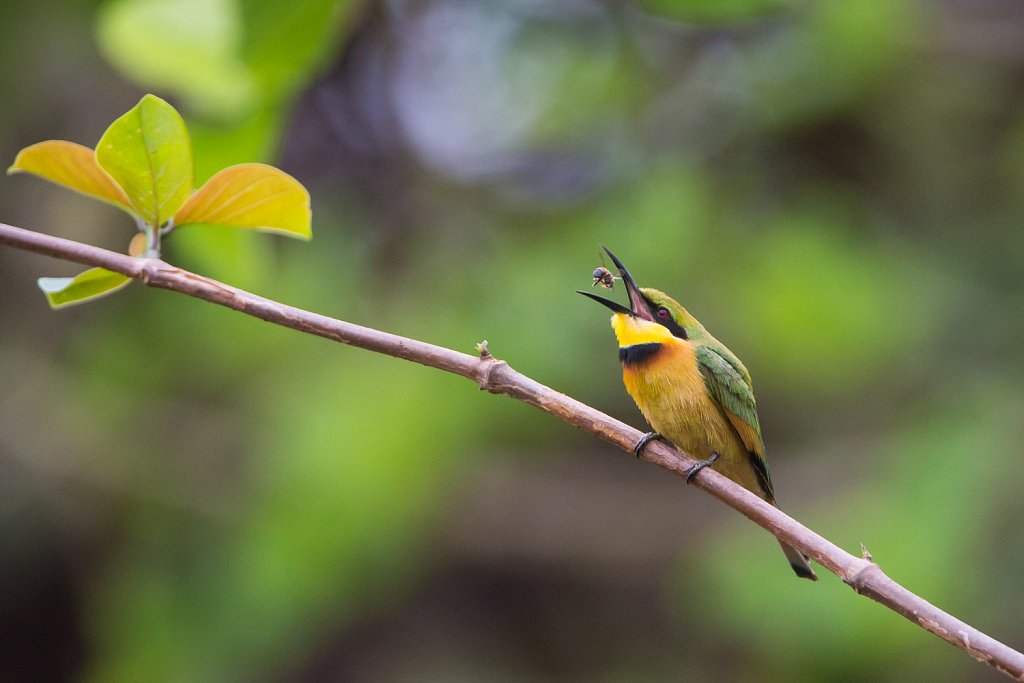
(727, 381)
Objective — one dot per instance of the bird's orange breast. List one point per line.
(670, 391)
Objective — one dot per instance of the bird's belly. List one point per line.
(674, 400)
(685, 415)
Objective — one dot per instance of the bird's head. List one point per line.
(651, 317)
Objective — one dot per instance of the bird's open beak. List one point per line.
(639, 308)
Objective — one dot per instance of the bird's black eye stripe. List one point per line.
(664, 317)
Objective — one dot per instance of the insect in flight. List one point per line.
(604, 277)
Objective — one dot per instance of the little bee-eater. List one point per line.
(693, 391)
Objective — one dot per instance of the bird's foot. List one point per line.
(701, 464)
(646, 439)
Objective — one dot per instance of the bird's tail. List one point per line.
(798, 561)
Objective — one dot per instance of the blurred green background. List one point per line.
(834, 189)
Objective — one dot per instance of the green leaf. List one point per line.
(251, 196)
(148, 152)
(284, 42)
(188, 47)
(73, 166)
(92, 284)
(228, 58)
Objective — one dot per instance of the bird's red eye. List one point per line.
(662, 312)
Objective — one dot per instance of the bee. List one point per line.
(604, 277)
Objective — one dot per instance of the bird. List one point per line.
(693, 390)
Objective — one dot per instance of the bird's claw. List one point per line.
(701, 464)
(646, 439)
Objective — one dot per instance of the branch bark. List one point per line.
(495, 376)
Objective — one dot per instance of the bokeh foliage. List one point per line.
(834, 189)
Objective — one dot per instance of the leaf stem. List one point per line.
(168, 228)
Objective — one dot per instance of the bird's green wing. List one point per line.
(729, 384)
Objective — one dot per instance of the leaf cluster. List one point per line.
(143, 165)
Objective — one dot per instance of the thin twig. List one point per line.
(495, 376)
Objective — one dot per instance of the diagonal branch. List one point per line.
(497, 377)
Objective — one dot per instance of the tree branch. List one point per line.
(495, 376)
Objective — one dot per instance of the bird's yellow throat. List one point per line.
(630, 331)
(641, 341)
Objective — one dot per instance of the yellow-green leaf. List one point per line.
(73, 166)
(92, 284)
(251, 196)
(148, 152)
